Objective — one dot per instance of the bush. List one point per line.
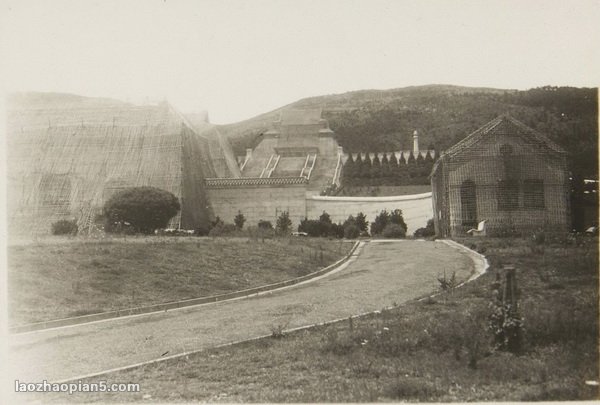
(384, 218)
(256, 232)
(145, 208)
(64, 227)
(311, 227)
(202, 230)
(265, 224)
(322, 227)
(351, 232)
(337, 231)
(224, 230)
(426, 232)
(394, 231)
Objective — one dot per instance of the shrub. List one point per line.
(397, 218)
(283, 224)
(426, 232)
(64, 227)
(256, 232)
(311, 227)
(448, 284)
(394, 231)
(145, 208)
(384, 218)
(265, 224)
(224, 230)
(322, 227)
(202, 230)
(217, 222)
(351, 231)
(337, 231)
(239, 220)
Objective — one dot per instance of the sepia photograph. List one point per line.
(299, 201)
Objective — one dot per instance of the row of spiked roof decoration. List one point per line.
(397, 158)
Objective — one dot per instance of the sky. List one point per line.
(237, 59)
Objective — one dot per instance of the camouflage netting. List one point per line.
(68, 155)
(506, 174)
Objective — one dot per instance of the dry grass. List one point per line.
(70, 277)
(433, 350)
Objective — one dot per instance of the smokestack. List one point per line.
(416, 144)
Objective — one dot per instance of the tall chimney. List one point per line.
(416, 144)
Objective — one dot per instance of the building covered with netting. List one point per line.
(68, 154)
(506, 174)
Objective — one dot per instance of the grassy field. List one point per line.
(59, 278)
(433, 350)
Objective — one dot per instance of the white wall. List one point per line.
(416, 209)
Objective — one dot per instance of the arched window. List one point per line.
(468, 203)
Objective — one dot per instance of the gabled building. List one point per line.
(506, 174)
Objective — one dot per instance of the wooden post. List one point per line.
(510, 299)
(509, 295)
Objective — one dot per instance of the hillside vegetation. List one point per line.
(384, 120)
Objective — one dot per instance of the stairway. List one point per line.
(309, 165)
(270, 167)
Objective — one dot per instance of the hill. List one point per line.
(383, 120)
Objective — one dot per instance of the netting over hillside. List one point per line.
(506, 174)
(69, 171)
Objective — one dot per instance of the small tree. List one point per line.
(284, 223)
(361, 223)
(239, 220)
(397, 218)
(145, 208)
(325, 225)
(349, 170)
(380, 222)
(375, 172)
(385, 167)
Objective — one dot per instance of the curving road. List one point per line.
(377, 276)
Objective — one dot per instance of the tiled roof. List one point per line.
(253, 181)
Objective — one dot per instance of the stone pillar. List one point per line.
(416, 144)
